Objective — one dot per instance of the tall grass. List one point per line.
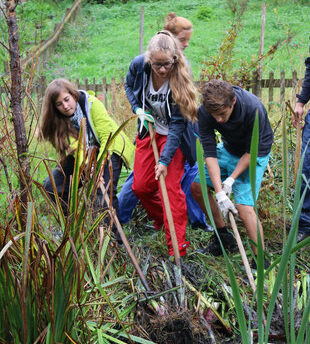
(70, 287)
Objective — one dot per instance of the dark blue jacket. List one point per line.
(304, 96)
(181, 132)
(236, 133)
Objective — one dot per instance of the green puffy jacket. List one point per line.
(103, 126)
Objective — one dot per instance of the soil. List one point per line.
(174, 328)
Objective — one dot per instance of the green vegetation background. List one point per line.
(104, 38)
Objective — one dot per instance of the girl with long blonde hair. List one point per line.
(161, 92)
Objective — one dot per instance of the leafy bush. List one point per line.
(205, 13)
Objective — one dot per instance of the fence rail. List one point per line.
(108, 92)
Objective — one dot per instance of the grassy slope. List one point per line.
(105, 39)
(36, 20)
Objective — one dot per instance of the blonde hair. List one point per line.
(180, 81)
(53, 126)
(177, 24)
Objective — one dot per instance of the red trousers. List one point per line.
(146, 189)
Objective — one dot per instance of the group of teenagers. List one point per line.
(161, 92)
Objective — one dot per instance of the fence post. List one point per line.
(261, 51)
(254, 82)
(77, 83)
(113, 89)
(95, 86)
(86, 84)
(41, 91)
(294, 85)
(270, 91)
(282, 88)
(104, 92)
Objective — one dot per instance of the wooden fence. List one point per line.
(109, 92)
(271, 83)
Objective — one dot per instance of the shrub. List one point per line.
(205, 13)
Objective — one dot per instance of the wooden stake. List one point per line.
(166, 202)
(298, 141)
(242, 251)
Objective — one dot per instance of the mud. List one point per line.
(174, 328)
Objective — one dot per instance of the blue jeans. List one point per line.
(62, 181)
(304, 220)
(128, 200)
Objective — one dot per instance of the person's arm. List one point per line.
(160, 169)
(177, 126)
(224, 203)
(303, 97)
(130, 81)
(104, 127)
(241, 166)
(214, 173)
(298, 117)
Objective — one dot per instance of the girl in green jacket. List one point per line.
(64, 107)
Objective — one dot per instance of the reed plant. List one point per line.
(65, 282)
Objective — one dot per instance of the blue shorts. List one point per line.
(242, 190)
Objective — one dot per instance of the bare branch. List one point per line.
(6, 174)
(4, 46)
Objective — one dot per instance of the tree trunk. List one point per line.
(16, 100)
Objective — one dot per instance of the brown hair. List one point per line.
(217, 95)
(177, 24)
(53, 126)
(180, 81)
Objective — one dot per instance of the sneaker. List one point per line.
(204, 226)
(116, 236)
(266, 264)
(214, 247)
(302, 236)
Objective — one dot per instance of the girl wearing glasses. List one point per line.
(161, 92)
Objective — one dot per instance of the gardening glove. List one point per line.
(144, 117)
(225, 204)
(227, 185)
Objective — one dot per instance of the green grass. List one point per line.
(36, 20)
(104, 39)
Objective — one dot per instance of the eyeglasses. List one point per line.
(166, 65)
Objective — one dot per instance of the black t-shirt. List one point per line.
(237, 131)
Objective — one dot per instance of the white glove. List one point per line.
(227, 185)
(144, 118)
(225, 204)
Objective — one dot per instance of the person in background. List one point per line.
(161, 92)
(231, 111)
(64, 107)
(182, 29)
(303, 98)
